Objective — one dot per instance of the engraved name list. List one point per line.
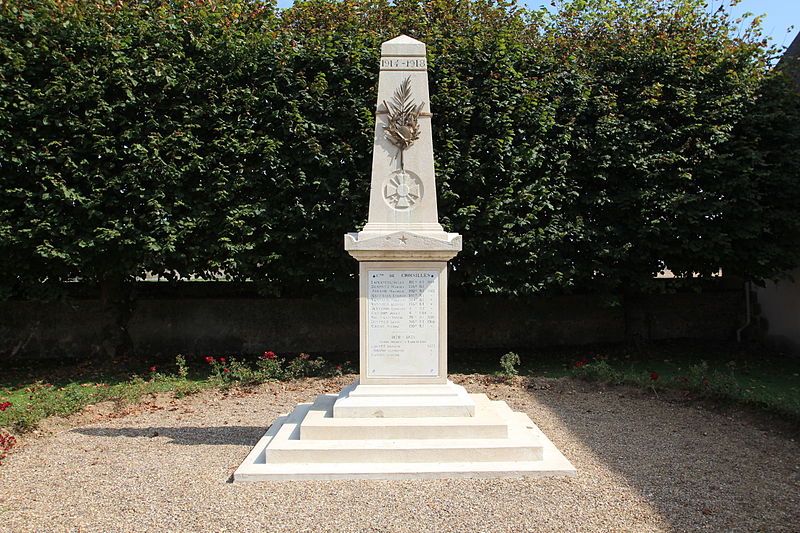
(403, 318)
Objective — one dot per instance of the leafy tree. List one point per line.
(125, 140)
(587, 149)
(670, 165)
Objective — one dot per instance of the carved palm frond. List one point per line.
(402, 97)
(403, 127)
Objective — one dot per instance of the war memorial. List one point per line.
(403, 418)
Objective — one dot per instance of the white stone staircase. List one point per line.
(312, 443)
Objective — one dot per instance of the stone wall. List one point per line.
(208, 318)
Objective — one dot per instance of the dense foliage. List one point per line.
(587, 149)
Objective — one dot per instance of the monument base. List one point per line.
(403, 401)
(312, 443)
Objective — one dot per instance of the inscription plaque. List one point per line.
(403, 322)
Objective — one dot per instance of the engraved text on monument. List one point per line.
(403, 318)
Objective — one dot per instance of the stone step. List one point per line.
(402, 407)
(488, 423)
(521, 444)
(446, 389)
(404, 451)
(403, 401)
(552, 466)
(282, 455)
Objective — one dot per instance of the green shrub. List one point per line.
(303, 365)
(715, 382)
(229, 371)
(597, 369)
(509, 363)
(588, 149)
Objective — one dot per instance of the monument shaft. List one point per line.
(402, 189)
(403, 250)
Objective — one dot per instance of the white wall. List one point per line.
(780, 306)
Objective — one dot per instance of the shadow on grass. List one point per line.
(187, 436)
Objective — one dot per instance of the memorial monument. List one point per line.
(402, 418)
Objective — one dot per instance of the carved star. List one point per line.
(403, 238)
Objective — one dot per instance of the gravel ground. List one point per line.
(644, 464)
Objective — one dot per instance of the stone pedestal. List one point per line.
(403, 328)
(403, 418)
(312, 443)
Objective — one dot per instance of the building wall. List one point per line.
(779, 311)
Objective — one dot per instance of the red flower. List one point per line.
(303, 356)
(209, 360)
(654, 376)
(7, 442)
(269, 355)
(685, 380)
(339, 368)
(226, 369)
(5, 405)
(152, 369)
(222, 360)
(585, 360)
(579, 363)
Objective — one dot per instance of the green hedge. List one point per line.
(585, 150)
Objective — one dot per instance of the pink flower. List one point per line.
(339, 368)
(152, 369)
(226, 369)
(209, 360)
(222, 360)
(269, 355)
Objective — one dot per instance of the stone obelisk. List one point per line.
(403, 185)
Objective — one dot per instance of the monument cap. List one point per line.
(403, 46)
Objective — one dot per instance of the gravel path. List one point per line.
(644, 464)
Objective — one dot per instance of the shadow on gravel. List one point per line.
(701, 469)
(189, 436)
